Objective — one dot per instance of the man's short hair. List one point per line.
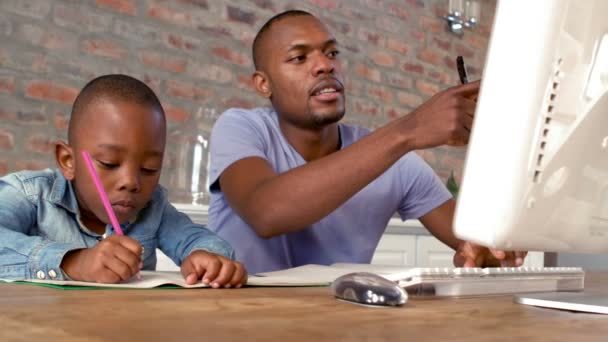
(111, 87)
(264, 29)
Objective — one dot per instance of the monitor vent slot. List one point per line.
(545, 129)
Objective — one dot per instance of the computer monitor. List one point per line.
(536, 171)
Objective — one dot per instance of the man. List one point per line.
(293, 186)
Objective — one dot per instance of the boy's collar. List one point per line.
(63, 194)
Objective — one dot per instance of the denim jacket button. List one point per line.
(52, 274)
(40, 275)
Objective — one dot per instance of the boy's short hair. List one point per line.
(112, 87)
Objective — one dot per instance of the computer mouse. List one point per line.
(368, 289)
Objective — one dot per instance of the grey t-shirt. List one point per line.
(349, 234)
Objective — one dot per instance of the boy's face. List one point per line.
(126, 142)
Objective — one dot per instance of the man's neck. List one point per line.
(314, 143)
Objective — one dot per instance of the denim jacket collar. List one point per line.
(62, 194)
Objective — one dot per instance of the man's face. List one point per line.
(304, 73)
(126, 142)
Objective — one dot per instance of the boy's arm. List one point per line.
(178, 237)
(23, 256)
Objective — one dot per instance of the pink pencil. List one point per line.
(102, 193)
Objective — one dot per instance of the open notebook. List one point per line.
(418, 281)
(308, 275)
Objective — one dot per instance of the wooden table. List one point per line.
(33, 313)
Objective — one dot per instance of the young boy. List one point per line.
(53, 224)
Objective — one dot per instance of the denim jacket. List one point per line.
(39, 224)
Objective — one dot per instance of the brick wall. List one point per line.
(196, 55)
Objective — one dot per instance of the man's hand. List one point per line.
(214, 270)
(114, 259)
(446, 118)
(469, 254)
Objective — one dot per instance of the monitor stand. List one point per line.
(573, 301)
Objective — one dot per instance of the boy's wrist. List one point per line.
(69, 264)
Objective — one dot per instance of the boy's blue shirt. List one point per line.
(39, 224)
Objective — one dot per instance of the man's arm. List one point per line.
(439, 223)
(276, 204)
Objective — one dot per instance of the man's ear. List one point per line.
(65, 159)
(261, 83)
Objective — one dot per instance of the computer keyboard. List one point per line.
(448, 282)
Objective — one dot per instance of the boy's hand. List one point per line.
(114, 259)
(214, 270)
(473, 255)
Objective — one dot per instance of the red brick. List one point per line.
(7, 84)
(464, 51)
(45, 90)
(325, 4)
(265, 4)
(81, 18)
(366, 107)
(7, 140)
(31, 117)
(181, 42)
(441, 76)
(40, 144)
(7, 115)
(428, 156)
(3, 168)
(105, 48)
(163, 61)
(433, 24)
(409, 99)
(354, 87)
(187, 90)
(450, 62)
(397, 45)
(164, 13)
(398, 81)
(238, 102)
(231, 56)
(427, 88)
(61, 121)
(386, 23)
(212, 72)
(429, 56)
(370, 36)
(31, 165)
(449, 162)
(245, 82)
(121, 6)
(380, 93)
(47, 38)
(176, 114)
(413, 68)
(368, 73)
(476, 41)
(382, 58)
(442, 44)
(34, 8)
(337, 26)
(399, 11)
(418, 36)
(375, 4)
(239, 15)
(395, 112)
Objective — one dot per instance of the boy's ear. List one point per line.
(65, 159)
(261, 83)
